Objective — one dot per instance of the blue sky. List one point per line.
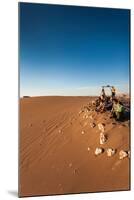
(67, 50)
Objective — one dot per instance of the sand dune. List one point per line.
(57, 145)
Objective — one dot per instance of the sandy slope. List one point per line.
(54, 156)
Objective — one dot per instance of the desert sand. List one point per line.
(57, 145)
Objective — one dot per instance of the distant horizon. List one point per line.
(76, 95)
(73, 50)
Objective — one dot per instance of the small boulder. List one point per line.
(98, 151)
(82, 132)
(110, 152)
(88, 148)
(103, 138)
(123, 154)
(92, 125)
(101, 127)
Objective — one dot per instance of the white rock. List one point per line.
(92, 125)
(60, 131)
(101, 127)
(103, 138)
(82, 132)
(123, 154)
(110, 152)
(88, 148)
(98, 151)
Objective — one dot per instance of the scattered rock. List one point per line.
(85, 116)
(99, 151)
(82, 132)
(103, 138)
(88, 148)
(101, 127)
(92, 125)
(123, 154)
(110, 152)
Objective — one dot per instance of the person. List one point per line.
(98, 101)
(108, 103)
(103, 95)
(101, 106)
(117, 110)
(113, 92)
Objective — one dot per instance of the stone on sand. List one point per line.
(82, 132)
(88, 148)
(103, 138)
(110, 152)
(123, 154)
(101, 127)
(92, 125)
(98, 151)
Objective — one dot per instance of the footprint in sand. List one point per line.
(70, 165)
(117, 163)
(75, 171)
(30, 125)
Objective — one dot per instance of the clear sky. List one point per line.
(71, 50)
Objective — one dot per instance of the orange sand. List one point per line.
(54, 155)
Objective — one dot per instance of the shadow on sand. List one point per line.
(13, 193)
